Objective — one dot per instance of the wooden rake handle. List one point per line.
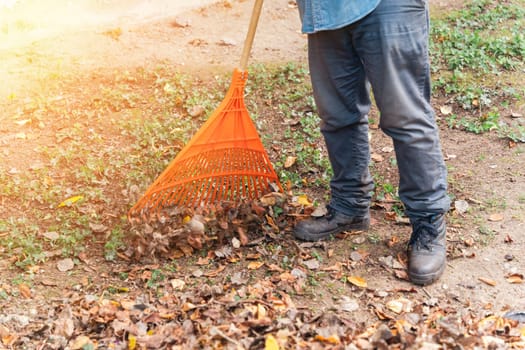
(257, 6)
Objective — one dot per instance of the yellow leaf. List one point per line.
(186, 219)
(303, 199)
(70, 201)
(357, 281)
(271, 343)
(132, 342)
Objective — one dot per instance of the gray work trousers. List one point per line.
(387, 50)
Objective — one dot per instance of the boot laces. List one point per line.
(424, 234)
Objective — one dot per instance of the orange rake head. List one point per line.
(224, 161)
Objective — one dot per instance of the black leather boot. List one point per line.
(427, 253)
(319, 228)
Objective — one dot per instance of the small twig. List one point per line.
(247, 301)
(426, 292)
(299, 248)
(217, 331)
(255, 242)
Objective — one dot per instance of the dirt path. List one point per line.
(202, 40)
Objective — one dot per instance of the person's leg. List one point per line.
(341, 93)
(393, 42)
(342, 97)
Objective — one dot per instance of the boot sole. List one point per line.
(426, 279)
(313, 237)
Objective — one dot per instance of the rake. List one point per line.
(224, 161)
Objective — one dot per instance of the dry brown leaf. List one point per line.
(268, 200)
(81, 342)
(214, 273)
(401, 274)
(391, 216)
(515, 278)
(488, 281)
(287, 277)
(195, 241)
(392, 241)
(333, 339)
(496, 217)
(261, 312)
(254, 265)
(275, 268)
(24, 290)
(97, 228)
(399, 305)
(243, 237)
(258, 210)
(289, 161)
(65, 265)
(377, 157)
(469, 242)
(177, 284)
(203, 261)
(445, 109)
(9, 339)
(253, 256)
(335, 267)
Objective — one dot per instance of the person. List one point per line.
(382, 45)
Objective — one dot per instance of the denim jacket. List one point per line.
(318, 15)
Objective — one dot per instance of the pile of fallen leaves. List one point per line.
(178, 232)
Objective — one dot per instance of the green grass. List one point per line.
(478, 62)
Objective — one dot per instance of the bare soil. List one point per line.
(208, 39)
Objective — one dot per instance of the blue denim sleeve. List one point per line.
(318, 15)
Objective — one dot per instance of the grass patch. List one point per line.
(476, 52)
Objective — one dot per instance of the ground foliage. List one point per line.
(233, 279)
